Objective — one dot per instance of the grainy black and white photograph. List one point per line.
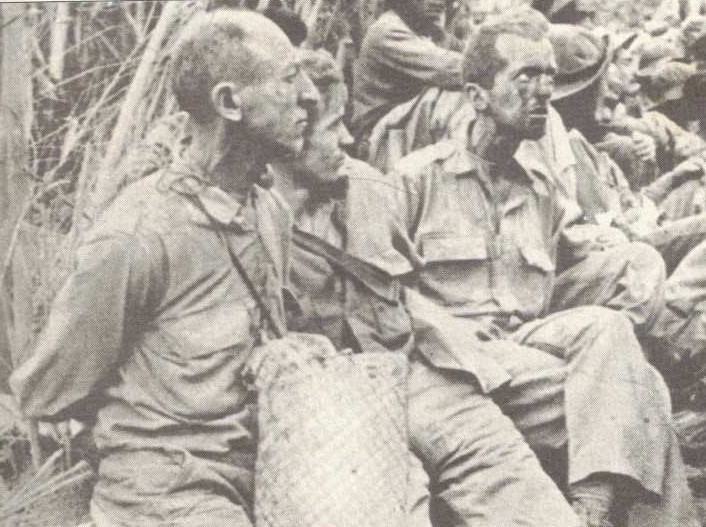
(353, 263)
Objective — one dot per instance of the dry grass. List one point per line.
(54, 494)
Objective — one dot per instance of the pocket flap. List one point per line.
(454, 248)
(537, 257)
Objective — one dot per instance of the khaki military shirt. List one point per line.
(152, 329)
(489, 254)
(367, 310)
(395, 65)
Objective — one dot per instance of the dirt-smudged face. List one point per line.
(277, 108)
(324, 153)
(519, 98)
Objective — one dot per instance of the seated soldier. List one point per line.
(402, 53)
(644, 146)
(600, 188)
(490, 226)
(149, 335)
(317, 179)
(348, 245)
(694, 38)
(615, 278)
(155, 150)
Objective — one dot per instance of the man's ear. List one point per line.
(226, 101)
(477, 96)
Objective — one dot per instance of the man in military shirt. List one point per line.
(348, 245)
(491, 229)
(150, 333)
(403, 52)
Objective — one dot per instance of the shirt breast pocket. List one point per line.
(456, 267)
(537, 258)
(204, 335)
(438, 249)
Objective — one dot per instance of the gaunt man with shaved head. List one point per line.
(147, 339)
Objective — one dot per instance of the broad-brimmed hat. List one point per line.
(582, 58)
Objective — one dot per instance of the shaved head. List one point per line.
(241, 47)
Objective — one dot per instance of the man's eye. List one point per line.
(291, 74)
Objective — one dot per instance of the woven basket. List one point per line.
(333, 446)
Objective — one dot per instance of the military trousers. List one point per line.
(171, 488)
(675, 239)
(629, 278)
(480, 470)
(681, 327)
(580, 381)
(687, 199)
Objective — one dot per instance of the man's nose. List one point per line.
(545, 87)
(308, 94)
(344, 137)
(603, 114)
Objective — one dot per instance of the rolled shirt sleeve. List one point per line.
(92, 320)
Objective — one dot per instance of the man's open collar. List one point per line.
(185, 179)
(461, 162)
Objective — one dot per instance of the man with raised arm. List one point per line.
(148, 337)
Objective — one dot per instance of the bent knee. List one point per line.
(603, 320)
(645, 259)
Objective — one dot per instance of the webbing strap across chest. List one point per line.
(273, 322)
(378, 281)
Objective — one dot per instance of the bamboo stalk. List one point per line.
(59, 30)
(35, 448)
(312, 19)
(16, 102)
(38, 490)
(137, 21)
(21, 499)
(124, 131)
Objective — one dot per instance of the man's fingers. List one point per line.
(50, 430)
(644, 146)
(645, 151)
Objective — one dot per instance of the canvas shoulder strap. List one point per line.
(274, 324)
(378, 281)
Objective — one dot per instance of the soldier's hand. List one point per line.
(58, 432)
(611, 237)
(294, 348)
(53, 431)
(644, 147)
